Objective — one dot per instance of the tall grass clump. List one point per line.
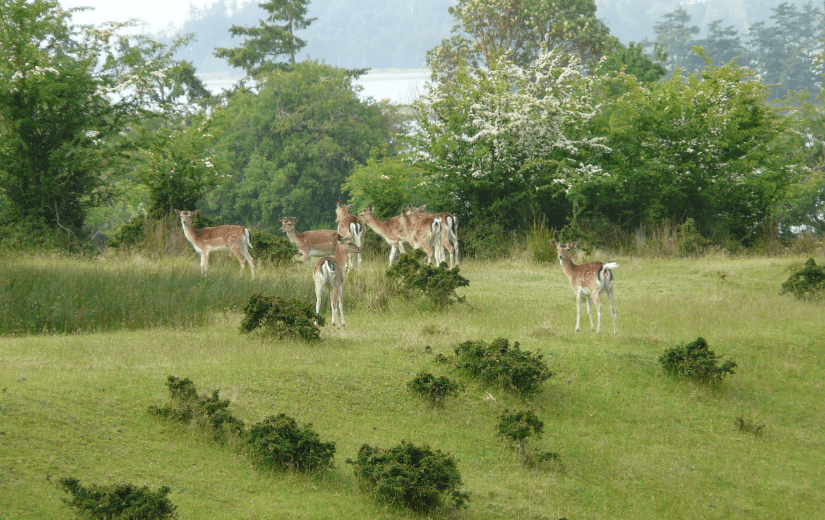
(44, 295)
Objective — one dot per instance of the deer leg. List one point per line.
(578, 310)
(339, 295)
(612, 309)
(319, 290)
(589, 314)
(598, 304)
(241, 255)
(204, 260)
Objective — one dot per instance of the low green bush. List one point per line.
(271, 249)
(697, 362)
(206, 411)
(408, 475)
(807, 283)
(434, 389)
(278, 442)
(118, 501)
(500, 363)
(517, 428)
(438, 284)
(282, 317)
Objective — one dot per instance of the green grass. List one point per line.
(633, 442)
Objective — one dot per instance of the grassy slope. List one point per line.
(633, 443)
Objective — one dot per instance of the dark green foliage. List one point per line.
(435, 389)
(437, 283)
(806, 283)
(208, 412)
(278, 442)
(746, 425)
(118, 501)
(486, 241)
(500, 363)
(130, 234)
(697, 362)
(283, 317)
(416, 477)
(272, 249)
(516, 427)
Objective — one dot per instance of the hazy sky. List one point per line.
(158, 14)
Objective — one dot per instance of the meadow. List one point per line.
(87, 347)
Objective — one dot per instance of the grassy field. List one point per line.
(633, 442)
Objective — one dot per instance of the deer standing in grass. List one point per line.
(449, 234)
(352, 227)
(235, 238)
(590, 279)
(389, 230)
(310, 243)
(422, 232)
(329, 274)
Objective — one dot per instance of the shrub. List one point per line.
(486, 241)
(806, 283)
(416, 477)
(278, 442)
(118, 501)
(207, 412)
(697, 362)
(281, 317)
(435, 389)
(517, 428)
(437, 283)
(499, 363)
(272, 249)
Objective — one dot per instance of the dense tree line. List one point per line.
(549, 121)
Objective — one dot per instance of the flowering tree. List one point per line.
(509, 143)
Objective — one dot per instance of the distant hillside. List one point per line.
(398, 33)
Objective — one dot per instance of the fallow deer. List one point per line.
(350, 226)
(389, 230)
(310, 243)
(449, 235)
(422, 232)
(235, 238)
(329, 274)
(590, 279)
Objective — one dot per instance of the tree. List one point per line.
(676, 38)
(507, 144)
(785, 53)
(486, 30)
(265, 43)
(66, 94)
(724, 45)
(705, 146)
(293, 144)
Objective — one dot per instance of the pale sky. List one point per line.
(158, 14)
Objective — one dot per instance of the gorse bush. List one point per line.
(282, 317)
(208, 412)
(279, 442)
(809, 282)
(118, 501)
(415, 477)
(516, 427)
(438, 284)
(272, 249)
(434, 389)
(697, 362)
(500, 363)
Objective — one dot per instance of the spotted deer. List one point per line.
(350, 226)
(449, 235)
(590, 279)
(422, 232)
(329, 274)
(235, 238)
(389, 230)
(310, 243)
